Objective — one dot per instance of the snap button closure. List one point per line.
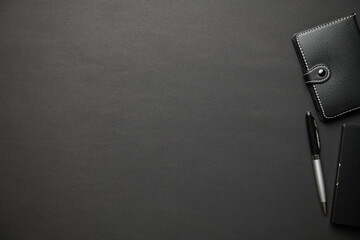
(321, 72)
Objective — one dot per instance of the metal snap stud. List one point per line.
(321, 72)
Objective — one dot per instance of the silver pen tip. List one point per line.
(323, 205)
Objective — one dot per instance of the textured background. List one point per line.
(160, 120)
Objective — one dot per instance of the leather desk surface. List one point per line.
(160, 120)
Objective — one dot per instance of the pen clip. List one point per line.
(317, 134)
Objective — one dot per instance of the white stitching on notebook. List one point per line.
(307, 66)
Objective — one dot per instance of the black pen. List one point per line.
(314, 140)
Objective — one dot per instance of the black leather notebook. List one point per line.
(330, 58)
(346, 203)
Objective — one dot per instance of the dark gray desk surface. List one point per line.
(160, 120)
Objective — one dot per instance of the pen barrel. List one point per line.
(319, 178)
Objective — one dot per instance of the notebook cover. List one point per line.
(333, 49)
(346, 203)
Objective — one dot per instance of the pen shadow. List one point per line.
(349, 229)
